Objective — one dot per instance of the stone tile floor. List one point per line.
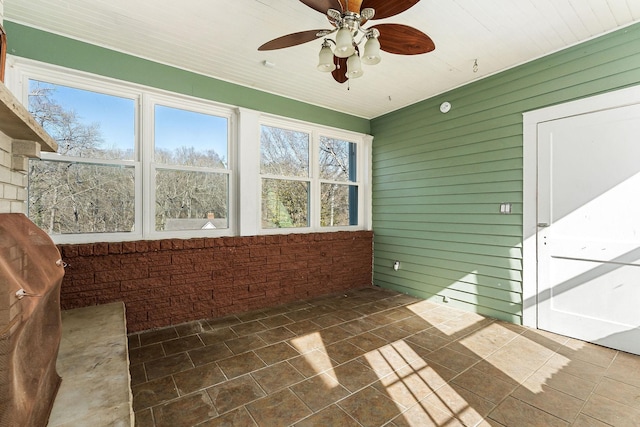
(373, 357)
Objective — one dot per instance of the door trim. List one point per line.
(531, 119)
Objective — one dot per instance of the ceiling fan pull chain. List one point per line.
(475, 66)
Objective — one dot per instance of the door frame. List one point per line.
(531, 119)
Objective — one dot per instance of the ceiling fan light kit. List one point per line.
(347, 17)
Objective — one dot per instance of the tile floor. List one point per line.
(373, 357)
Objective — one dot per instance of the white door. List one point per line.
(589, 227)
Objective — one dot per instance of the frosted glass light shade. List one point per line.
(371, 51)
(325, 60)
(344, 43)
(354, 68)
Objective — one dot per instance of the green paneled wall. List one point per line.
(439, 179)
(53, 49)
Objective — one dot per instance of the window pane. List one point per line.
(188, 138)
(84, 123)
(284, 152)
(81, 198)
(285, 203)
(337, 159)
(188, 200)
(339, 205)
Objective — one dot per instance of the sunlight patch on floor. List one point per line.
(320, 362)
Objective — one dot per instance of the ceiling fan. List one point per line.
(347, 18)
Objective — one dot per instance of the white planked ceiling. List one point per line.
(220, 39)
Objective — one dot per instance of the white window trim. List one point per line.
(363, 172)
(243, 156)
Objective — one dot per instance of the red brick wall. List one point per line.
(166, 282)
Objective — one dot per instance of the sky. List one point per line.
(115, 115)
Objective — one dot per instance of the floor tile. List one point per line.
(343, 352)
(303, 327)
(561, 381)
(370, 407)
(581, 369)
(425, 415)
(276, 353)
(319, 391)
(620, 392)
(184, 412)
(490, 388)
(198, 378)
(586, 421)
(611, 412)
(334, 334)
(461, 403)
(275, 377)
(237, 418)
(428, 341)
(216, 336)
(271, 336)
(246, 343)
(312, 363)
(153, 393)
(181, 344)
(592, 353)
(210, 353)
(367, 341)
(144, 418)
(234, 393)
(145, 354)
(552, 401)
(223, 322)
(382, 358)
(247, 328)
(275, 321)
(157, 335)
(168, 365)
(192, 328)
(406, 387)
(353, 375)
(138, 375)
(452, 359)
(357, 326)
(241, 364)
(625, 368)
(514, 412)
(329, 416)
(278, 409)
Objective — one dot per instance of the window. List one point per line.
(130, 164)
(191, 175)
(284, 165)
(308, 179)
(89, 186)
(339, 189)
(138, 163)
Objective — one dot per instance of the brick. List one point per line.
(195, 278)
(101, 249)
(194, 243)
(177, 244)
(128, 247)
(258, 251)
(142, 246)
(115, 248)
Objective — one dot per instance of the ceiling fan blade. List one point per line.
(323, 5)
(403, 40)
(340, 73)
(291, 40)
(386, 8)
